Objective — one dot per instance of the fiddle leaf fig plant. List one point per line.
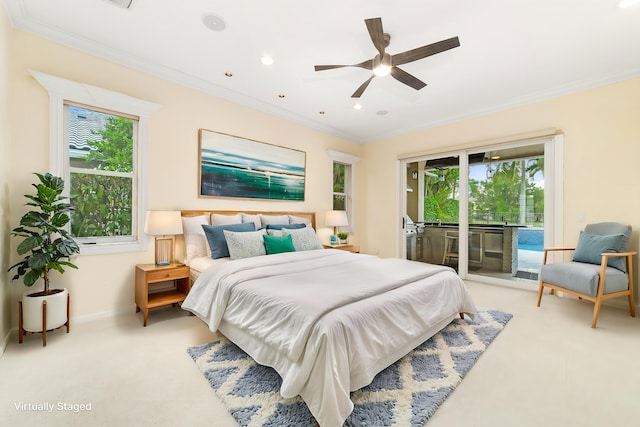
(47, 245)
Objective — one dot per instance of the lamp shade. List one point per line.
(163, 223)
(336, 218)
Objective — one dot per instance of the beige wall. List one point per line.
(601, 155)
(5, 309)
(601, 151)
(105, 283)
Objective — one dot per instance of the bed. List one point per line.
(326, 320)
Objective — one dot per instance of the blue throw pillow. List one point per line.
(281, 226)
(591, 246)
(215, 237)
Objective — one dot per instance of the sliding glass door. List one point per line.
(506, 210)
(432, 225)
(485, 212)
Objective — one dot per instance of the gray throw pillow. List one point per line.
(591, 246)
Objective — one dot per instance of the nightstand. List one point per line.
(349, 248)
(148, 274)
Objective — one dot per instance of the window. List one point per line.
(343, 166)
(341, 177)
(98, 145)
(102, 173)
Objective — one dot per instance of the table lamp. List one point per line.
(165, 224)
(336, 219)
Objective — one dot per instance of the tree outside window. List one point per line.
(339, 187)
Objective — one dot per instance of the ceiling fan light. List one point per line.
(382, 70)
(382, 66)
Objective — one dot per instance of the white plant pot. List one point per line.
(32, 311)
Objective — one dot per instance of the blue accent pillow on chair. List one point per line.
(591, 246)
(216, 239)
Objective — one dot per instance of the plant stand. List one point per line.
(22, 331)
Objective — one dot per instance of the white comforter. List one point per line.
(327, 320)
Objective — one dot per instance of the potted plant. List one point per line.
(343, 236)
(46, 246)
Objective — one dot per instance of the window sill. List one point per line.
(109, 248)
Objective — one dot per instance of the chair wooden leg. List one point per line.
(596, 312)
(632, 306)
(540, 291)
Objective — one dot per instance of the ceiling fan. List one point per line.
(384, 63)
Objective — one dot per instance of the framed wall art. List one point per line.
(231, 166)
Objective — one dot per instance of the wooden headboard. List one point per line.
(309, 215)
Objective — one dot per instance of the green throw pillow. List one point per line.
(278, 244)
(590, 246)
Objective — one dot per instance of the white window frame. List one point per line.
(349, 161)
(61, 90)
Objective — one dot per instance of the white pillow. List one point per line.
(304, 239)
(251, 218)
(246, 244)
(273, 219)
(194, 239)
(219, 219)
(299, 220)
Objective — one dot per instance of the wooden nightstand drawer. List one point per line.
(168, 274)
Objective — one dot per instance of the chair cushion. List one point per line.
(583, 277)
(591, 246)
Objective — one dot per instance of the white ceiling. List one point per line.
(512, 52)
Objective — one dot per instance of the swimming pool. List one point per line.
(531, 239)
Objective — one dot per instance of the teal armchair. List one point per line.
(601, 267)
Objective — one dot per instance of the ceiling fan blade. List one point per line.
(367, 65)
(424, 51)
(362, 87)
(374, 25)
(406, 78)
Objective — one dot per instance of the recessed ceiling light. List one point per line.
(228, 74)
(213, 22)
(357, 106)
(321, 112)
(267, 60)
(281, 95)
(625, 4)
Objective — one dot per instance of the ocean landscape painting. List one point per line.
(231, 166)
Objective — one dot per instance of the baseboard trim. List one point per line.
(101, 315)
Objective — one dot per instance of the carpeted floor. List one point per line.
(407, 393)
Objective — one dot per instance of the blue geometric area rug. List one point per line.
(406, 393)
